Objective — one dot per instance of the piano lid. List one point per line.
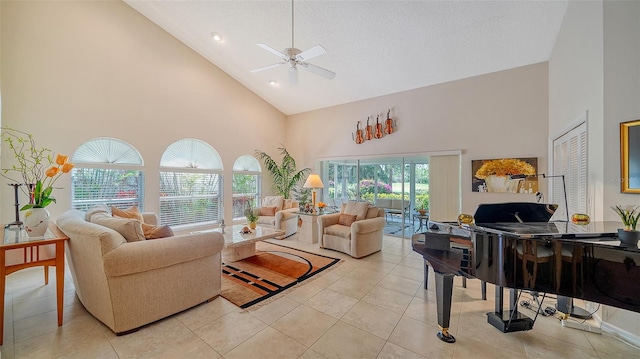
(522, 212)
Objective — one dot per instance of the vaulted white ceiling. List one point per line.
(375, 47)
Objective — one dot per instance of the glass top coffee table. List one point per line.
(238, 246)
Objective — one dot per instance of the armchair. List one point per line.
(360, 238)
(277, 212)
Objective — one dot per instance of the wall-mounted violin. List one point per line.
(368, 134)
(389, 125)
(359, 139)
(378, 133)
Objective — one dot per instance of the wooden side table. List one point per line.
(19, 251)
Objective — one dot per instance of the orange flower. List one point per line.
(67, 167)
(51, 172)
(61, 159)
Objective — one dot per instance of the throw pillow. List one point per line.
(130, 229)
(154, 232)
(347, 219)
(268, 211)
(357, 208)
(132, 212)
(288, 203)
(273, 201)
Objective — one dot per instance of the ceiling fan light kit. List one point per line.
(376, 131)
(296, 58)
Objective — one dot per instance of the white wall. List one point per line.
(595, 67)
(72, 71)
(503, 114)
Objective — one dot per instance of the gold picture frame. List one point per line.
(630, 157)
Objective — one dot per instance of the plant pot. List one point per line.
(628, 238)
(36, 221)
(253, 225)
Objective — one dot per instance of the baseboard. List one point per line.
(621, 334)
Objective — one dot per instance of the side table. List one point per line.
(421, 218)
(309, 230)
(19, 251)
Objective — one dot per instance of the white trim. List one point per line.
(621, 334)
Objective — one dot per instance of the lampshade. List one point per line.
(313, 181)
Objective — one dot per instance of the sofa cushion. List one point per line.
(132, 212)
(268, 220)
(357, 208)
(289, 203)
(154, 232)
(347, 219)
(267, 211)
(273, 201)
(98, 208)
(383, 202)
(130, 229)
(338, 230)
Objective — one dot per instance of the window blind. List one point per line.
(190, 198)
(570, 160)
(117, 187)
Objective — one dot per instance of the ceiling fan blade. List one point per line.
(318, 70)
(293, 76)
(273, 51)
(311, 53)
(268, 67)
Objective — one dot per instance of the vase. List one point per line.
(628, 237)
(36, 221)
(252, 225)
(502, 184)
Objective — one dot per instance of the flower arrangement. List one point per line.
(505, 167)
(629, 215)
(36, 166)
(321, 205)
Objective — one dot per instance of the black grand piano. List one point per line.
(513, 245)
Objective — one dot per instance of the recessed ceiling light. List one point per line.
(273, 83)
(216, 36)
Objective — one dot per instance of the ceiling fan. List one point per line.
(296, 58)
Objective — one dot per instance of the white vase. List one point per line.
(36, 221)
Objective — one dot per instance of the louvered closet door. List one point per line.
(570, 160)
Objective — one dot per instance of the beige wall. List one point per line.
(595, 67)
(503, 114)
(72, 71)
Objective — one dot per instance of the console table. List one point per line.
(19, 251)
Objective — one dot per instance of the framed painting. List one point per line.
(507, 175)
(630, 157)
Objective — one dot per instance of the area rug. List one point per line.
(274, 269)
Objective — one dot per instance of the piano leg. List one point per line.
(444, 294)
(426, 274)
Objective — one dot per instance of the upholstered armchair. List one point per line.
(277, 212)
(356, 230)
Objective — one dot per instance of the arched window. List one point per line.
(190, 184)
(246, 184)
(107, 171)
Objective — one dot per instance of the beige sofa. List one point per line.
(362, 238)
(126, 285)
(284, 218)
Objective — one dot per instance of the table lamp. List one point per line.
(313, 181)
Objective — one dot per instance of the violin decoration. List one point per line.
(368, 134)
(359, 139)
(378, 133)
(389, 126)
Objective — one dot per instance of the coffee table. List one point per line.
(239, 246)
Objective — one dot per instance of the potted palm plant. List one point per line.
(629, 216)
(285, 175)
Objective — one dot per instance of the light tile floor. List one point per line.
(374, 307)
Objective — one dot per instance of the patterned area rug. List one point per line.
(272, 270)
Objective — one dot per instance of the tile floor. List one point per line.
(374, 307)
